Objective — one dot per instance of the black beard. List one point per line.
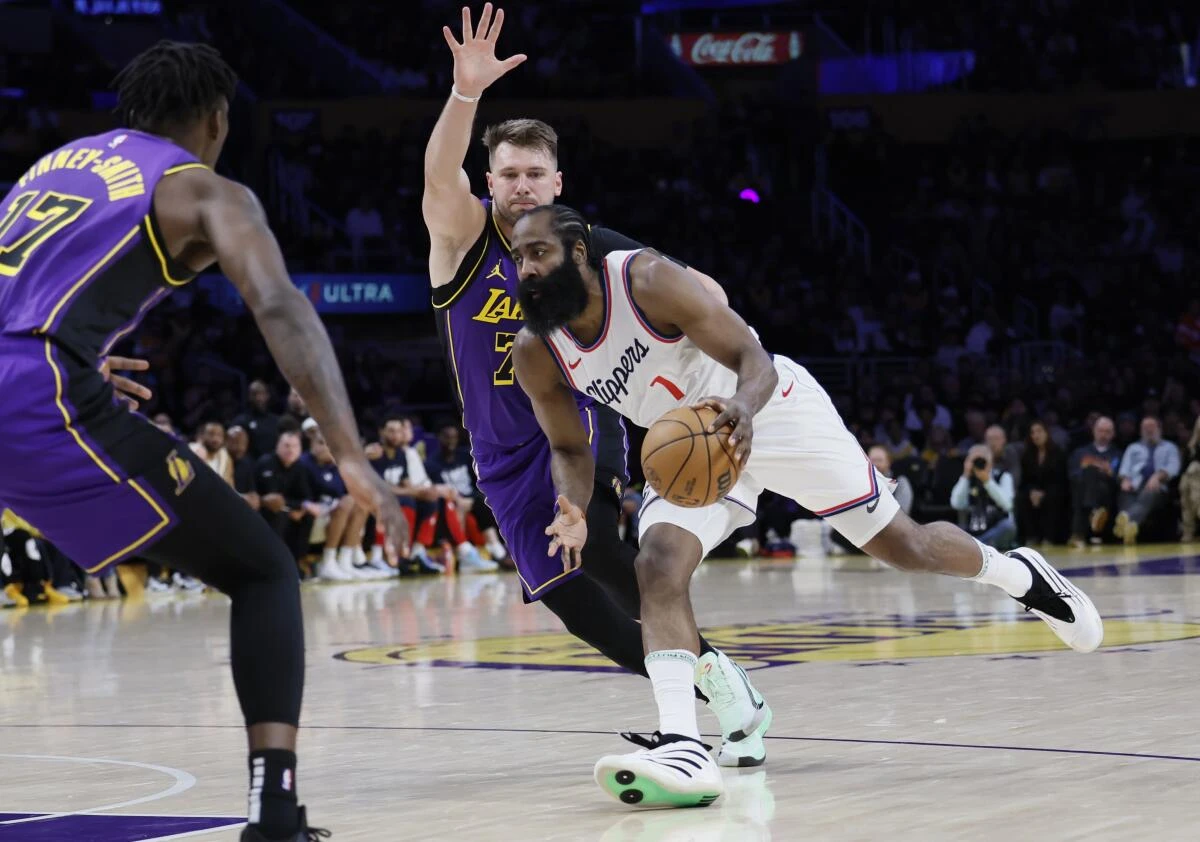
(561, 296)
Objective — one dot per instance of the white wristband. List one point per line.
(454, 93)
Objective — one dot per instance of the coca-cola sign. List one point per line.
(728, 48)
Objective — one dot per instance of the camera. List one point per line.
(979, 462)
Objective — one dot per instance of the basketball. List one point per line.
(686, 464)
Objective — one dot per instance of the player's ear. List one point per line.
(558, 184)
(491, 191)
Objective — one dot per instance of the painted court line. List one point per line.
(1083, 752)
(183, 781)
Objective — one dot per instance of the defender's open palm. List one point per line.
(568, 533)
(475, 63)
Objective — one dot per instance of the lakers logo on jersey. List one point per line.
(181, 471)
(496, 272)
(617, 487)
(499, 307)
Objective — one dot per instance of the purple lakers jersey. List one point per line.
(81, 255)
(478, 319)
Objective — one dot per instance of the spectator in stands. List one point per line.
(259, 422)
(341, 519)
(1147, 469)
(903, 491)
(1092, 471)
(1006, 456)
(452, 466)
(398, 462)
(1189, 486)
(1042, 494)
(891, 434)
(210, 446)
(237, 442)
(984, 493)
(976, 429)
(289, 502)
(297, 409)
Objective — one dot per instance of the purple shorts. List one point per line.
(517, 487)
(76, 463)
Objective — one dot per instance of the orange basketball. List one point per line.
(686, 464)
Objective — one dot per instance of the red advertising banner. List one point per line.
(702, 49)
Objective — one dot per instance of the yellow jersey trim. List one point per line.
(162, 255)
(470, 276)
(87, 276)
(164, 518)
(182, 167)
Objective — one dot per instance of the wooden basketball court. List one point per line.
(905, 709)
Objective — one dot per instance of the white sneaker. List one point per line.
(187, 583)
(71, 592)
(497, 551)
(1065, 608)
(668, 771)
(369, 572)
(741, 710)
(154, 586)
(330, 571)
(470, 561)
(382, 569)
(353, 574)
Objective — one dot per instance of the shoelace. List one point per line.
(315, 833)
(722, 695)
(656, 740)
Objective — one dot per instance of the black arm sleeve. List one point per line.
(606, 240)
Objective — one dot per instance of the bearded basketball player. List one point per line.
(91, 238)
(475, 296)
(640, 335)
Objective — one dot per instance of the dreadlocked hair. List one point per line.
(171, 84)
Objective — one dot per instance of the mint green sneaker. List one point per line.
(743, 713)
(669, 770)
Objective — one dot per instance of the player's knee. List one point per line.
(660, 569)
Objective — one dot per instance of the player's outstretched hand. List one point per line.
(568, 533)
(127, 389)
(373, 493)
(736, 415)
(475, 63)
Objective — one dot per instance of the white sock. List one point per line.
(1005, 572)
(346, 556)
(465, 546)
(330, 556)
(673, 676)
(377, 553)
(360, 557)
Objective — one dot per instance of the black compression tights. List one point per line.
(601, 607)
(224, 543)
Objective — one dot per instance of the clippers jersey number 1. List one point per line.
(49, 211)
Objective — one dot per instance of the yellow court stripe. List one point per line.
(87, 276)
(162, 255)
(470, 276)
(183, 167)
(163, 522)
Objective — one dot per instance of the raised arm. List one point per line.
(452, 214)
(676, 301)
(206, 218)
(572, 465)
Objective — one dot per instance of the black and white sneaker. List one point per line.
(304, 834)
(1065, 608)
(669, 770)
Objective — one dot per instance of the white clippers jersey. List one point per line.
(632, 369)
